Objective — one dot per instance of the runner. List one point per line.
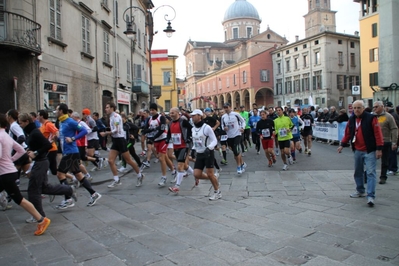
(307, 131)
(253, 119)
(245, 141)
(119, 146)
(265, 129)
(283, 127)
(296, 136)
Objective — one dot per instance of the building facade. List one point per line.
(322, 69)
(237, 70)
(74, 52)
(379, 35)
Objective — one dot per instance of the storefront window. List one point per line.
(54, 94)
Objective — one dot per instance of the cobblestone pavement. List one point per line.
(266, 217)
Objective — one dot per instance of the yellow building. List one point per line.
(164, 75)
(369, 48)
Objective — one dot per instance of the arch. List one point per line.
(264, 97)
(246, 99)
(215, 101)
(228, 98)
(222, 101)
(236, 99)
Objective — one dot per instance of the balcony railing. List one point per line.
(140, 87)
(19, 32)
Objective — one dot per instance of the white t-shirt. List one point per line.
(234, 122)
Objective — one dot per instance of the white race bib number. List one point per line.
(176, 138)
(197, 143)
(283, 132)
(223, 138)
(295, 130)
(307, 122)
(266, 133)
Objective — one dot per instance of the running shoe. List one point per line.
(65, 204)
(274, 160)
(244, 165)
(93, 199)
(174, 174)
(115, 183)
(162, 182)
(196, 182)
(258, 153)
(277, 152)
(285, 167)
(156, 160)
(306, 150)
(31, 220)
(216, 195)
(370, 201)
(41, 227)
(290, 161)
(140, 180)
(100, 163)
(143, 153)
(309, 152)
(358, 194)
(224, 162)
(270, 163)
(146, 164)
(88, 177)
(105, 162)
(122, 169)
(239, 170)
(174, 189)
(174, 180)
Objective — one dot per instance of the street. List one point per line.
(266, 217)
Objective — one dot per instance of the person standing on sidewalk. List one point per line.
(119, 146)
(38, 147)
(390, 135)
(8, 175)
(364, 133)
(70, 160)
(204, 141)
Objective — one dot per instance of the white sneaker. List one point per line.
(277, 152)
(100, 163)
(122, 169)
(290, 161)
(285, 167)
(115, 183)
(162, 183)
(390, 173)
(140, 180)
(216, 195)
(105, 162)
(156, 160)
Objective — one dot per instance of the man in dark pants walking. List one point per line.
(38, 147)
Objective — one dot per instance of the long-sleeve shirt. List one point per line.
(37, 142)
(7, 144)
(234, 122)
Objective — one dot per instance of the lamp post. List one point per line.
(131, 31)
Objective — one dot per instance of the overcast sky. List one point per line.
(201, 20)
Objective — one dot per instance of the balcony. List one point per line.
(140, 87)
(157, 91)
(19, 32)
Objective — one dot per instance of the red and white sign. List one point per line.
(123, 97)
(159, 55)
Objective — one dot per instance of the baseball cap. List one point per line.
(208, 110)
(226, 104)
(242, 106)
(86, 111)
(197, 112)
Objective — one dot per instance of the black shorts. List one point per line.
(23, 160)
(119, 144)
(93, 144)
(150, 142)
(204, 161)
(308, 132)
(234, 144)
(296, 139)
(82, 153)
(69, 162)
(181, 155)
(7, 183)
(284, 144)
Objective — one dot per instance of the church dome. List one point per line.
(241, 9)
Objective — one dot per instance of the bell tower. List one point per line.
(319, 17)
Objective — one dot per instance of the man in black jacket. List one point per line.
(38, 147)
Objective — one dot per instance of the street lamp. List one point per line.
(131, 32)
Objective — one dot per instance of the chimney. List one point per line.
(296, 38)
(356, 33)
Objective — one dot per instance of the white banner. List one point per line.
(326, 130)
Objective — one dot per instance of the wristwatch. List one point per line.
(73, 138)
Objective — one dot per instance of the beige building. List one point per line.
(72, 52)
(322, 69)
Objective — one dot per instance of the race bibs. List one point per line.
(230, 125)
(176, 138)
(198, 143)
(282, 132)
(295, 130)
(307, 122)
(254, 124)
(266, 133)
(223, 138)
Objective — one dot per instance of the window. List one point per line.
(305, 61)
(249, 32)
(128, 72)
(244, 76)
(374, 55)
(305, 46)
(86, 35)
(264, 75)
(166, 78)
(339, 41)
(106, 47)
(317, 83)
(316, 42)
(340, 58)
(374, 30)
(278, 68)
(227, 82)
(234, 79)
(317, 3)
(279, 86)
(167, 105)
(287, 52)
(297, 84)
(287, 65)
(373, 79)
(296, 62)
(235, 33)
(278, 55)
(136, 72)
(341, 82)
(138, 38)
(323, 100)
(53, 95)
(288, 86)
(353, 60)
(116, 14)
(55, 19)
(305, 82)
(352, 44)
(317, 58)
(296, 49)
(220, 84)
